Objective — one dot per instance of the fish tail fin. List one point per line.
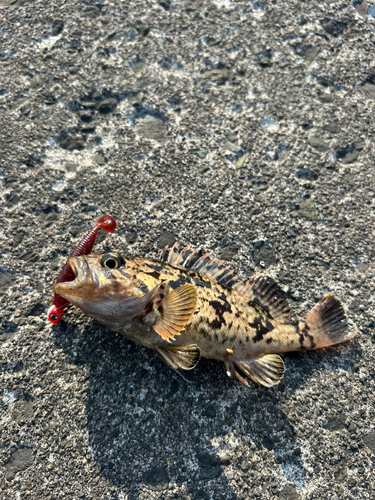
(326, 324)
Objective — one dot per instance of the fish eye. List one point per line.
(112, 261)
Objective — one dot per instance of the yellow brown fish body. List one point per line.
(190, 305)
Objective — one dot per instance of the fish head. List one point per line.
(106, 287)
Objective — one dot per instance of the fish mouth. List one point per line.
(82, 283)
(82, 270)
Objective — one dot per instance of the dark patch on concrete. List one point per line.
(264, 254)
(340, 472)
(369, 441)
(209, 466)
(22, 411)
(289, 493)
(156, 478)
(209, 411)
(336, 423)
(229, 250)
(36, 309)
(19, 461)
(166, 238)
(268, 443)
(57, 27)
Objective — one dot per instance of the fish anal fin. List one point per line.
(185, 357)
(266, 292)
(176, 310)
(267, 370)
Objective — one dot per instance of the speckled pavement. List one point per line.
(242, 127)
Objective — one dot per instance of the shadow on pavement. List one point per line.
(148, 427)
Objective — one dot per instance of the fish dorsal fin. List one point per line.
(185, 357)
(267, 370)
(262, 290)
(266, 292)
(176, 310)
(201, 263)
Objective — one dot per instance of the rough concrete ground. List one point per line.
(242, 127)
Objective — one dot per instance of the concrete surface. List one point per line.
(243, 127)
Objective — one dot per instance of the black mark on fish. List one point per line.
(260, 329)
(178, 282)
(199, 282)
(260, 308)
(157, 267)
(269, 325)
(142, 286)
(222, 295)
(303, 335)
(154, 274)
(216, 323)
(220, 306)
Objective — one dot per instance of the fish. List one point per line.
(190, 305)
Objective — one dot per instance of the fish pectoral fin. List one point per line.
(185, 357)
(268, 370)
(176, 310)
(266, 292)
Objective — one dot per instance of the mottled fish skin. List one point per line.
(181, 312)
(225, 319)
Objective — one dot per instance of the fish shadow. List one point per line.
(149, 428)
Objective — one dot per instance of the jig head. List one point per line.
(84, 247)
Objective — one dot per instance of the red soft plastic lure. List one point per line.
(84, 247)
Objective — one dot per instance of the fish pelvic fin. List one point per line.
(176, 310)
(267, 370)
(185, 357)
(326, 324)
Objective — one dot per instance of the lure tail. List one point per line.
(84, 247)
(326, 324)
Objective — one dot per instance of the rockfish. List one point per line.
(190, 305)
